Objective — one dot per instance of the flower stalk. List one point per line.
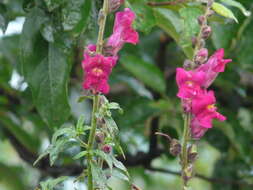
(102, 22)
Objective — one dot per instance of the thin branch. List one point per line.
(166, 3)
(208, 179)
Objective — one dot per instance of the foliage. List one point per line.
(46, 56)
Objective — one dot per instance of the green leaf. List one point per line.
(237, 5)
(80, 155)
(98, 175)
(50, 184)
(148, 73)
(119, 165)
(136, 85)
(172, 24)
(111, 124)
(223, 11)
(60, 146)
(105, 157)
(46, 68)
(118, 174)
(191, 26)
(53, 4)
(2, 23)
(75, 15)
(145, 19)
(66, 131)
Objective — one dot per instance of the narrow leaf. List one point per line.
(223, 11)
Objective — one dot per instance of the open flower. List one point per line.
(213, 66)
(204, 111)
(123, 31)
(189, 83)
(97, 69)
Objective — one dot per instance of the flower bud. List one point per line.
(206, 32)
(201, 19)
(99, 137)
(201, 56)
(188, 64)
(188, 172)
(210, 13)
(115, 4)
(192, 153)
(194, 41)
(175, 147)
(107, 149)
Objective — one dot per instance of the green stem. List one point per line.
(184, 156)
(99, 50)
(102, 21)
(91, 140)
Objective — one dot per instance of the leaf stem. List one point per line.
(91, 140)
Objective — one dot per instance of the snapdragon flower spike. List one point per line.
(189, 83)
(213, 66)
(97, 69)
(204, 111)
(123, 31)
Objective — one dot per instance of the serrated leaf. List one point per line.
(223, 11)
(80, 155)
(153, 77)
(47, 31)
(237, 5)
(105, 157)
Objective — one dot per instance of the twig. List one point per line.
(166, 3)
(208, 179)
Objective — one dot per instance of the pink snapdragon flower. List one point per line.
(189, 83)
(123, 31)
(97, 69)
(204, 111)
(213, 67)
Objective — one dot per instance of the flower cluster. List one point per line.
(97, 67)
(196, 99)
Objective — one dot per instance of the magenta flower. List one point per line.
(123, 31)
(189, 83)
(204, 111)
(97, 70)
(213, 66)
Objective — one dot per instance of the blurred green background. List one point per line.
(41, 44)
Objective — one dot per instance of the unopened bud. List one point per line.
(100, 137)
(194, 41)
(107, 149)
(188, 64)
(201, 19)
(188, 172)
(206, 32)
(210, 13)
(115, 4)
(209, 3)
(175, 147)
(192, 153)
(201, 56)
(134, 187)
